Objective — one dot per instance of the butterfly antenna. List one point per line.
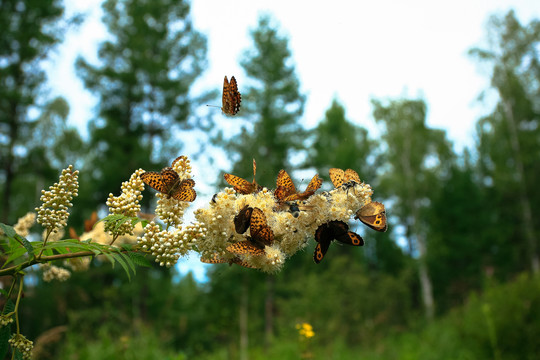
(214, 106)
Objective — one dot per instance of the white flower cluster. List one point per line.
(292, 229)
(126, 204)
(168, 245)
(21, 343)
(52, 272)
(53, 213)
(23, 225)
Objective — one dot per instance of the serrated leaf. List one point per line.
(10, 306)
(123, 263)
(8, 230)
(26, 244)
(139, 259)
(14, 254)
(5, 333)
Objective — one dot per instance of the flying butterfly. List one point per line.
(373, 215)
(333, 230)
(286, 191)
(345, 178)
(215, 259)
(168, 182)
(260, 235)
(231, 98)
(243, 186)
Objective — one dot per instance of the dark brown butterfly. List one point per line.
(373, 215)
(168, 182)
(286, 191)
(242, 219)
(230, 102)
(334, 230)
(261, 235)
(215, 259)
(243, 186)
(345, 178)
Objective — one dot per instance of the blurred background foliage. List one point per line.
(456, 276)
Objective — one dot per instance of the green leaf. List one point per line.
(139, 259)
(5, 333)
(27, 245)
(10, 306)
(8, 230)
(14, 254)
(125, 263)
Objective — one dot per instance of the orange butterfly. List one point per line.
(231, 97)
(215, 259)
(373, 215)
(334, 230)
(286, 191)
(347, 178)
(261, 235)
(241, 185)
(168, 182)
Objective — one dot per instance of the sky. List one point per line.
(352, 51)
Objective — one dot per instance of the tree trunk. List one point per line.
(525, 204)
(269, 313)
(243, 319)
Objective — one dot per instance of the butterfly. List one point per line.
(347, 178)
(261, 235)
(230, 102)
(242, 219)
(243, 186)
(215, 259)
(286, 191)
(373, 215)
(168, 182)
(333, 230)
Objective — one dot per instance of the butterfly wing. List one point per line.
(337, 176)
(260, 232)
(240, 185)
(242, 219)
(185, 191)
(373, 215)
(351, 238)
(154, 180)
(231, 98)
(245, 247)
(351, 175)
(323, 239)
(284, 186)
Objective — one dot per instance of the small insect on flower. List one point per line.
(261, 236)
(168, 182)
(243, 186)
(286, 191)
(334, 230)
(373, 215)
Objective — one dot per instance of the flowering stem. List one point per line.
(19, 295)
(49, 231)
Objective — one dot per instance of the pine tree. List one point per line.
(30, 29)
(509, 136)
(143, 82)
